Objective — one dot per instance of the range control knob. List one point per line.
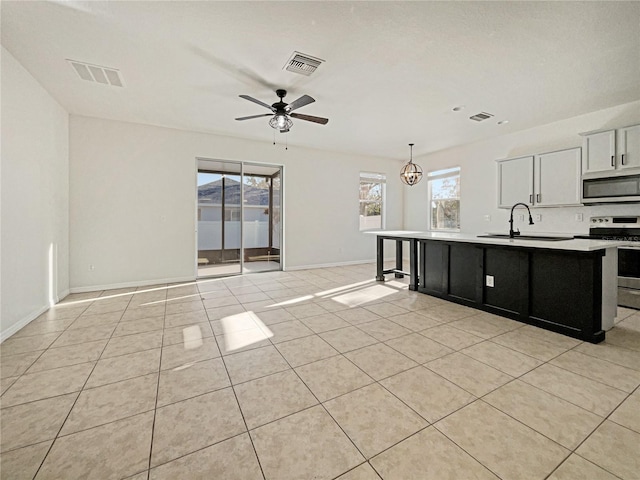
(600, 220)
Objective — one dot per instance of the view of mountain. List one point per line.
(212, 193)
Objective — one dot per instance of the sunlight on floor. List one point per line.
(341, 289)
(242, 330)
(293, 301)
(366, 295)
(192, 337)
(352, 295)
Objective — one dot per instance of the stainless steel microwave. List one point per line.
(611, 189)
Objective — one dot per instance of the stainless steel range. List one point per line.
(626, 229)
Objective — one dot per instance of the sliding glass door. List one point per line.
(261, 217)
(239, 217)
(219, 218)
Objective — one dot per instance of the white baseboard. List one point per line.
(21, 323)
(29, 318)
(142, 283)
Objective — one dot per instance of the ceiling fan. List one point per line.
(281, 111)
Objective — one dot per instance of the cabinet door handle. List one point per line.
(613, 160)
(623, 158)
(538, 197)
(531, 198)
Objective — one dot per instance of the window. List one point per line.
(444, 199)
(372, 192)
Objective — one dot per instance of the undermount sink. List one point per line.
(526, 237)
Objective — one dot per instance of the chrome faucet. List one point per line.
(511, 232)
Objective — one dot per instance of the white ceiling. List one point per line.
(393, 70)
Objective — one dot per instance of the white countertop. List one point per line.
(578, 245)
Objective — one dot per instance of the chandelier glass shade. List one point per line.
(411, 173)
(280, 122)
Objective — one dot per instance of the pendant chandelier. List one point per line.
(411, 173)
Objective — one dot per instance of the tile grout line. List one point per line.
(604, 420)
(235, 395)
(366, 462)
(247, 431)
(480, 398)
(325, 408)
(155, 409)
(375, 381)
(72, 407)
(476, 398)
(571, 452)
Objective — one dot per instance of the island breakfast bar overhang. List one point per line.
(567, 286)
(399, 268)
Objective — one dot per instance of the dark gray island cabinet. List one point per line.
(567, 286)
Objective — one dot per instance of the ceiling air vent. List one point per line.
(302, 64)
(96, 73)
(479, 117)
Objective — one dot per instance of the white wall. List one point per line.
(34, 198)
(132, 201)
(478, 181)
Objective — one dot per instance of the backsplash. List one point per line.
(554, 220)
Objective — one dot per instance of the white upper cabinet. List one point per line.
(544, 180)
(557, 178)
(515, 181)
(599, 152)
(629, 147)
(611, 150)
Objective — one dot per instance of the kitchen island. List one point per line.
(567, 286)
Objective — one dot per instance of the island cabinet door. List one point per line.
(505, 281)
(565, 290)
(433, 267)
(452, 270)
(465, 272)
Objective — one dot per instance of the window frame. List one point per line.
(373, 177)
(449, 172)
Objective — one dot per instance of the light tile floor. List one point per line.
(316, 374)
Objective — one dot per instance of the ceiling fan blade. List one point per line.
(311, 118)
(255, 116)
(301, 102)
(251, 99)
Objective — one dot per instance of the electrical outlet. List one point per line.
(579, 217)
(489, 280)
(521, 217)
(537, 217)
(487, 218)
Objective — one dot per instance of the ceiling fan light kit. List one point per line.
(283, 112)
(281, 123)
(411, 173)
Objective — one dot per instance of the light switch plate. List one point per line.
(489, 280)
